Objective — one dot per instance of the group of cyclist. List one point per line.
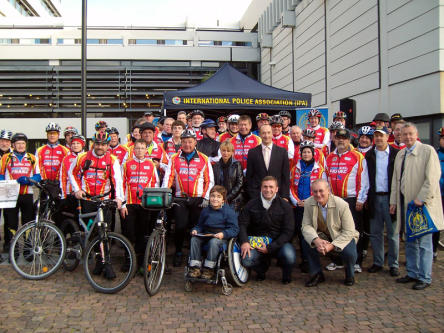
(191, 154)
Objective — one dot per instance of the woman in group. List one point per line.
(302, 175)
(228, 173)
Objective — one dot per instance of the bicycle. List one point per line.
(155, 253)
(38, 247)
(100, 253)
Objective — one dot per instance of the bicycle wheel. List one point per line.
(73, 254)
(154, 262)
(37, 250)
(110, 276)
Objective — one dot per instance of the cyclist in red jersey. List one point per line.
(233, 128)
(279, 139)
(322, 138)
(68, 133)
(77, 144)
(115, 148)
(173, 144)
(286, 118)
(222, 126)
(50, 156)
(244, 141)
(197, 117)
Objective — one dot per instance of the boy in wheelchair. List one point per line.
(217, 223)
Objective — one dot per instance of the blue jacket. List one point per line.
(218, 220)
(441, 160)
(304, 187)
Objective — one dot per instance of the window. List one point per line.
(115, 41)
(42, 41)
(142, 41)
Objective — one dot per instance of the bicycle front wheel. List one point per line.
(37, 250)
(109, 263)
(154, 262)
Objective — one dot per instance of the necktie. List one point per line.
(267, 153)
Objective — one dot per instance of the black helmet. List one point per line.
(307, 144)
(197, 112)
(112, 130)
(19, 137)
(336, 125)
(276, 119)
(188, 133)
(308, 132)
(285, 113)
(53, 127)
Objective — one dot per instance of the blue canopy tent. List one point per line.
(229, 89)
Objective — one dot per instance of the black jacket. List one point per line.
(370, 158)
(279, 168)
(277, 222)
(208, 147)
(236, 179)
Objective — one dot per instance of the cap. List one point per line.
(381, 129)
(382, 117)
(396, 117)
(148, 113)
(343, 133)
(147, 126)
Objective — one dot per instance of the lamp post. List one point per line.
(83, 69)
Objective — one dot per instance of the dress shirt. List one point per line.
(324, 210)
(266, 151)
(382, 159)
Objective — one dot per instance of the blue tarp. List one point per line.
(229, 89)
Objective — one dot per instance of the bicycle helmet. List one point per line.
(222, 119)
(53, 127)
(112, 130)
(5, 134)
(101, 137)
(314, 113)
(207, 123)
(340, 114)
(78, 137)
(19, 137)
(234, 118)
(100, 124)
(336, 125)
(197, 112)
(70, 129)
(276, 120)
(285, 113)
(262, 116)
(309, 133)
(147, 126)
(306, 144)
(366, 130)
(188, 133)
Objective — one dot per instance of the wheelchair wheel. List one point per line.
(109, 277)
(237, 274)
(73, 245)
(154, 262)
(188, 286)
(37, 250)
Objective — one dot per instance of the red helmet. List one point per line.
(314, 113)
(222, 119)
(262, 116)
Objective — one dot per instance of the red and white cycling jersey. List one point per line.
(322, 137)
(224, 136)
(286, 143)
(137, 175)
(295, 175)
(154, 152)
(396, 145)
(242, 147)
(96, 177)
(13, 168)
(119, 151)
(170, 148)
(65, 184)
(194, 178)
(348, 175)
(49, 158)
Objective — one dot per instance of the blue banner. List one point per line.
(302, 117)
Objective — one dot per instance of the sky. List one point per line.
(157, 13)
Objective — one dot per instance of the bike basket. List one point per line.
(156, 198)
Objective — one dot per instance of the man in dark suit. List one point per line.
(380, 162)
(267, 159)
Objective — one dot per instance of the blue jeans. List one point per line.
(214, 247)
(381, 216)
(419, 257)
(348, 255)
(260, 262)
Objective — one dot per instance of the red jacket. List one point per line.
(137, 175)
(65, 184)
(50, 159)
(242, 147)
(119, 151)
(224, 136)
(13, 168)
(286, 143)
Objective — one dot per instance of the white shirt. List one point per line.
(382, 160)
(264, 153)
(324, 210)
(267, 203)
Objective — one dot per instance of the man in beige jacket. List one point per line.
(328, 226)
(416, 177)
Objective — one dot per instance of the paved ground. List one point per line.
(65, 302)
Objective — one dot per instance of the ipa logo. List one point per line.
(176, 100)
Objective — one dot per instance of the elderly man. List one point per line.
(266, 227)
(416, 178)
(328, 226)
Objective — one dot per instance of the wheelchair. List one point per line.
(228, 270)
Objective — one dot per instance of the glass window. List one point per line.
(115, 41)
(92, 41)
(59, 41)
(42, 41)
(174, 42)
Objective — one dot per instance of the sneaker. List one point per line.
(207, 273)
(358, 268)
(332, 266)
(194, 272)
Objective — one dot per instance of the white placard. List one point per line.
(9, 191)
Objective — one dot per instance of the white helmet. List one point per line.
(53, 127)
(234, 118)
(5, 134)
